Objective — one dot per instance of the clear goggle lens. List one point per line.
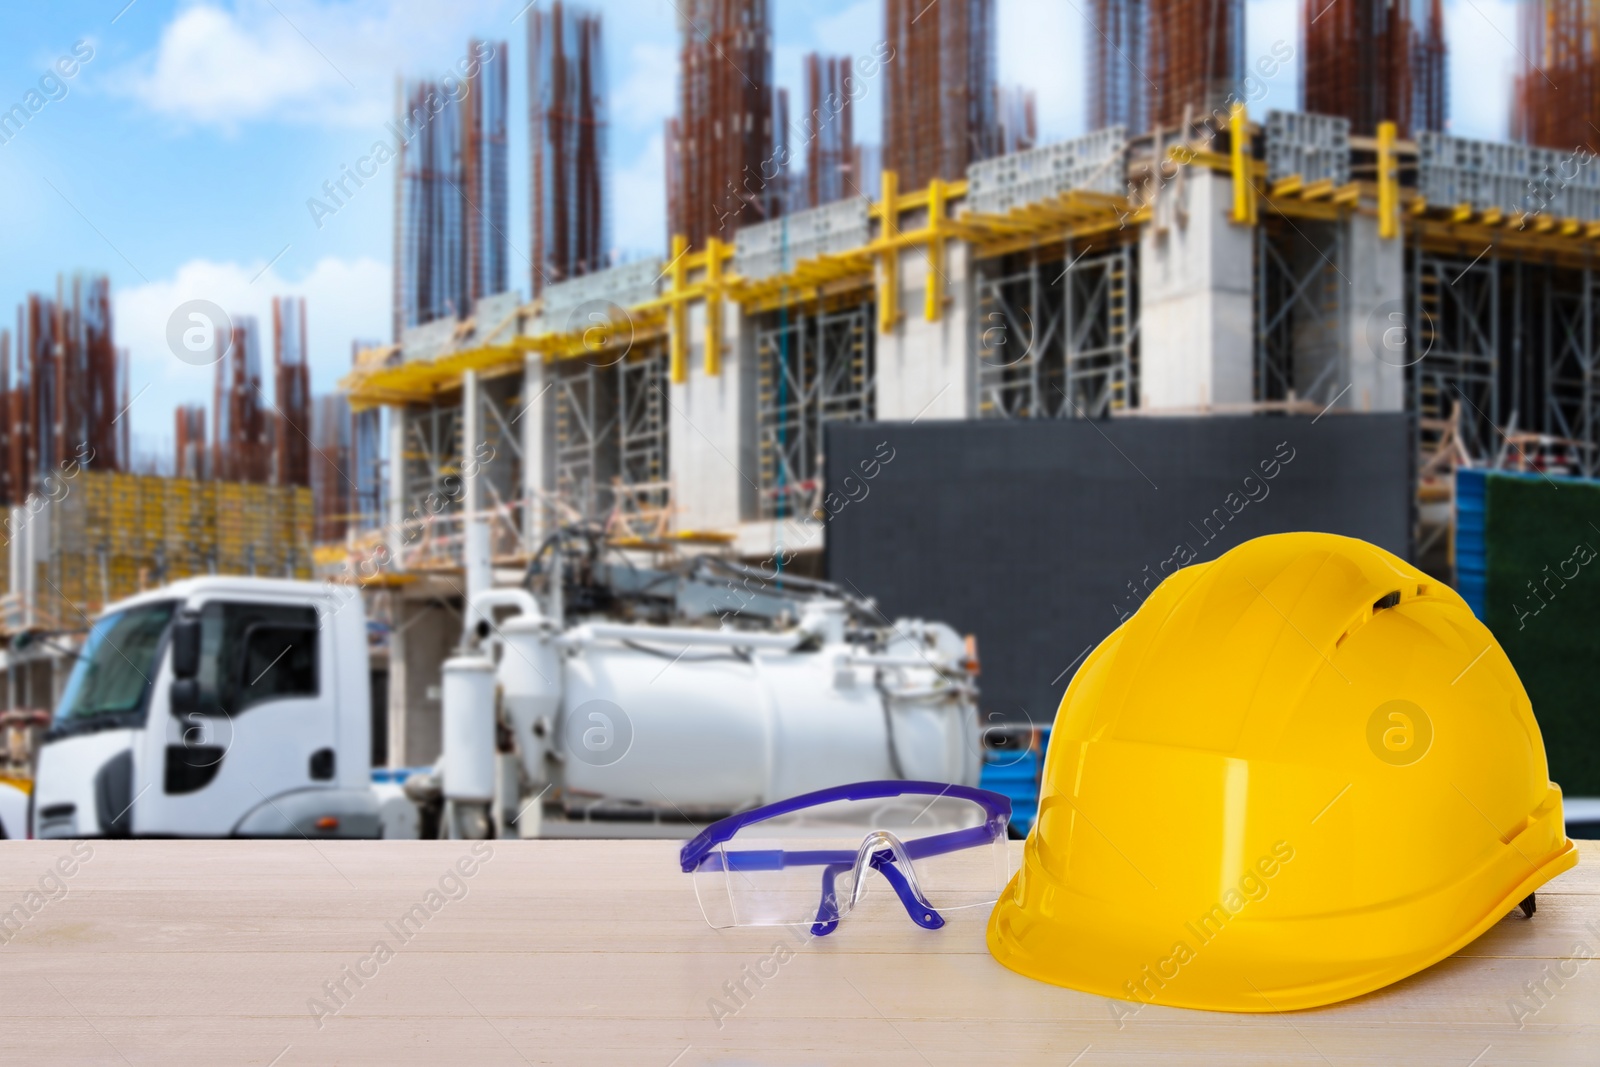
(812, 866)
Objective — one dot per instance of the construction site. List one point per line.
(1190, 257)
(1187, 256)
(972, 575)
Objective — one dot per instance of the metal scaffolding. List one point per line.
(431, 472)
(1301, 293)
(452, 201)
(291, 372)
(814, 365)
(1057, 333)
(720, 166)
(1556, 95)
(1020, 325)
(1118, 89)
(61, 400)
(939, 110)
(642, 496)
(1194, 60)
(1571, 367)
(610, 418)
(1102, 333)
(567, 138)
(1372, 61)
(833, 163)
(1455, 312)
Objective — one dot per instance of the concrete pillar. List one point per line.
(1195, 299)
(532, 422)
(474, 521)
(925, 369)
(396, 535)
(395, 538)
(710, 430)
(1377, 335)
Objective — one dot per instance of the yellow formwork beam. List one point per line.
(711, 288)
(889, 284)
(1388, 183)
(1244, 188)
(713, 296)
(933, 300)
(678, 273)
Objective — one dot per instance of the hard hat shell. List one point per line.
(1296, 774)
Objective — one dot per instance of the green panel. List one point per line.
(1547, 533)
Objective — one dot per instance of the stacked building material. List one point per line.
(1372, 61)
(1516, 179)
(1092, 162)
(939, 110)
(721, 173)
(106, 536)
(452, 205)
(1556, 96)
(567, 140)
(1312, 147)
(63, 395)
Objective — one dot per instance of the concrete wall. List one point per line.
(1375, 369)
(1196, 344)
(925, 369)
(710, 431)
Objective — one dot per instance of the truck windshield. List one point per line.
(116, 670)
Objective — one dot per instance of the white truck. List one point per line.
(240, 707)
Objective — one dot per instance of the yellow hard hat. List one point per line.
(1296, 774)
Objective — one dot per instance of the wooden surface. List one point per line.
(595, 953)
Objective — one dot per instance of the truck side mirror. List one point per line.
(186, 646)
(184, 697)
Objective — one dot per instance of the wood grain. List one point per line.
(595, 953)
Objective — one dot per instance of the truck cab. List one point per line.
(214, 707)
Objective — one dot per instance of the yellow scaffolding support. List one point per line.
(1244, 186)
(706, 274)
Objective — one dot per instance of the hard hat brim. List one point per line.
(1044, 930)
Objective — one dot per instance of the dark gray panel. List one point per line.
(1040, 536)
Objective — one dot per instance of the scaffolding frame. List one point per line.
(610, 417)
(432, 480)
(1018, 308)
(643, 490)
(1456, 317)
(814, 365)
(1102, 333)
(1571, 368)
(1300, 308)
(1078, 332)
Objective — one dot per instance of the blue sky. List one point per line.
(182, 155)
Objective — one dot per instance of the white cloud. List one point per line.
(345, 300)
(300, 60)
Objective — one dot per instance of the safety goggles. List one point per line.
(805, 859)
